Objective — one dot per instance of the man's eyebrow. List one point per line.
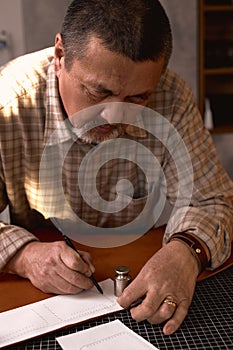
(101, 88)
(97, 87)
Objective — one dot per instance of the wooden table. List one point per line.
(16, 291)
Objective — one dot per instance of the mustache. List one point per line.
(81, 127)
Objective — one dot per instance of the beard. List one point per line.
(95, 136)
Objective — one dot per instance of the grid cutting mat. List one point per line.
(208, 326)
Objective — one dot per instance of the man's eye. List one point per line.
(95, 96)
(138, 98)
(91, 95)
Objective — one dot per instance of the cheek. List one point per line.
(72, 99)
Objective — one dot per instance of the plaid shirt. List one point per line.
(31, 114)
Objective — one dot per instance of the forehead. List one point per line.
(101, 67)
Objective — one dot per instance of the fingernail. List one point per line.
(169, 330)
(92, 268)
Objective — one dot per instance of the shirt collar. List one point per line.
(58, 128)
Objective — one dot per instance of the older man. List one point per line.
(109, 52)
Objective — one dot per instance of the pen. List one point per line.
(70, 244)
(136, 302)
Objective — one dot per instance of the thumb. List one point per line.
(131, 294)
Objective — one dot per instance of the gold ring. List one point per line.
(170, 302)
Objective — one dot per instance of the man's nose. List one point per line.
(120, 112)
(113, 112)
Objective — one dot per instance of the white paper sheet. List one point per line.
(113, 335)
(53, 313)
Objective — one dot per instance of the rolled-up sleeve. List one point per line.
(12, 238)
(209, 215)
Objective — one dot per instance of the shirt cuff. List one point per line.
(205, 226)
(12, 238)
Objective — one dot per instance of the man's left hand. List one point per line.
(166, 283)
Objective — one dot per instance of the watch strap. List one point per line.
(195, 246)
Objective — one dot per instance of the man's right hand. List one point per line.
(53, 267)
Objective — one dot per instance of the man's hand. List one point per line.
(53, 267)
(169, 274)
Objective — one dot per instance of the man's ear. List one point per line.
(58, 54)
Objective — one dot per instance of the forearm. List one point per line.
(215, 231)
(205, 190)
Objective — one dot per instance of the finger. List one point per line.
(131, 294)
(88, 259)
(146, 309)
(74, 277)
(73, 282)
(164, 312)
(177, 319)
(61, 280)
(74, 261)
(52, 282)
(58, 285)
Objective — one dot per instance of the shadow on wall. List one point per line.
(224, 145)
(4, 216)
(42, 20)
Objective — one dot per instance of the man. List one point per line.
(108, 52)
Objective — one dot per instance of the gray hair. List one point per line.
(138, 29)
